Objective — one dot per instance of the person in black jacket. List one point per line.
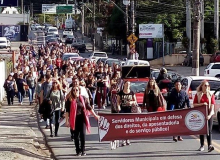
(178, 99)
(162, 75)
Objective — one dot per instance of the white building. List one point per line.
(10, 10)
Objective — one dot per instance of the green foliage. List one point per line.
(116, 24)
(213, 45)
(185, 42)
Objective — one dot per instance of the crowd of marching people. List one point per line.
(71, 90)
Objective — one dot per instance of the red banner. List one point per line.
(148, 125)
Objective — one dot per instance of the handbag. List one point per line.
(26, 87)
(163, 103)
(135, 109)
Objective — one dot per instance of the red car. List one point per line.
(138, 76)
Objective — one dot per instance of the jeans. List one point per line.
(209, 136)
(101, 96)
(20, 96)
(93, 96)
(31, 94)
(54, 119)
(10, 96)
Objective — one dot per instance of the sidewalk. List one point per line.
(20, 138)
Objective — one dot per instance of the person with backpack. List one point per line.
(56, 101)
(10, 88)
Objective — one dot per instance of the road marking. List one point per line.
(214, 143)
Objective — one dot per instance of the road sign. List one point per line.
(64, 9)
(8, 3)
(132, 38)
(132, 46)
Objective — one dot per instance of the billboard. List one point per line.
(149, 125)
(51, 8)
(12, 32)
(8, 3)
(150, 30)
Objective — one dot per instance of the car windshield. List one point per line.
(213, 84)
(100, 54)
(52, 40)
(110, 62)
(66, 57)
(138, 87)
(52, 30)
(70, 37)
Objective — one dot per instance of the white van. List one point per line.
(132, 62)
(4, 42)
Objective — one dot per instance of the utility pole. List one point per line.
(94, 25)
(67, 2)
(216, 20)
(32, 10)
(127, 30)
(202, 24)
(83, 21)
(75, 14)
(196, 37)
(22, 6)
(132, 17)
(188, 24)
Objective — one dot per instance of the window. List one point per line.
(216, 66)
(213, 84)
(138, 87)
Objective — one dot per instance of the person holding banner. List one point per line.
(125, 100)
(178, 99)
(77, 119)
(153, 99)
(204, 98)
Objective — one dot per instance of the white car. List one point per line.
(132, 62)
(67, 32)
(52, 30)
(4, 42)
(36, 27)
(190, 84)
(213, 70)
(96, 55)
(67, 56)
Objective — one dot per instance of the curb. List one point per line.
(45, 136)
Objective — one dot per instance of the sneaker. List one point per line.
(211, 148)
(123, 143)
(103, 107)
(51, 135)
(78, 154)
(201, 148)
(83, 154)
(175, 139)
(128, 143)
(47, 127)
(180, 139)
(41, 120)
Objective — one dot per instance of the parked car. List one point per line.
(217, 107)
(67, 32)
(96, 55)
(131, 62)
(212, 70)
(4, 42)
(173, 76)
(66, 56)
(190, 84)
(109, 61)
(188, 60)
(36, 27)
(79, 44)
(53, 41)
(52, 30)
(69, 39)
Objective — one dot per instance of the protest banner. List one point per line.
(149, 125)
